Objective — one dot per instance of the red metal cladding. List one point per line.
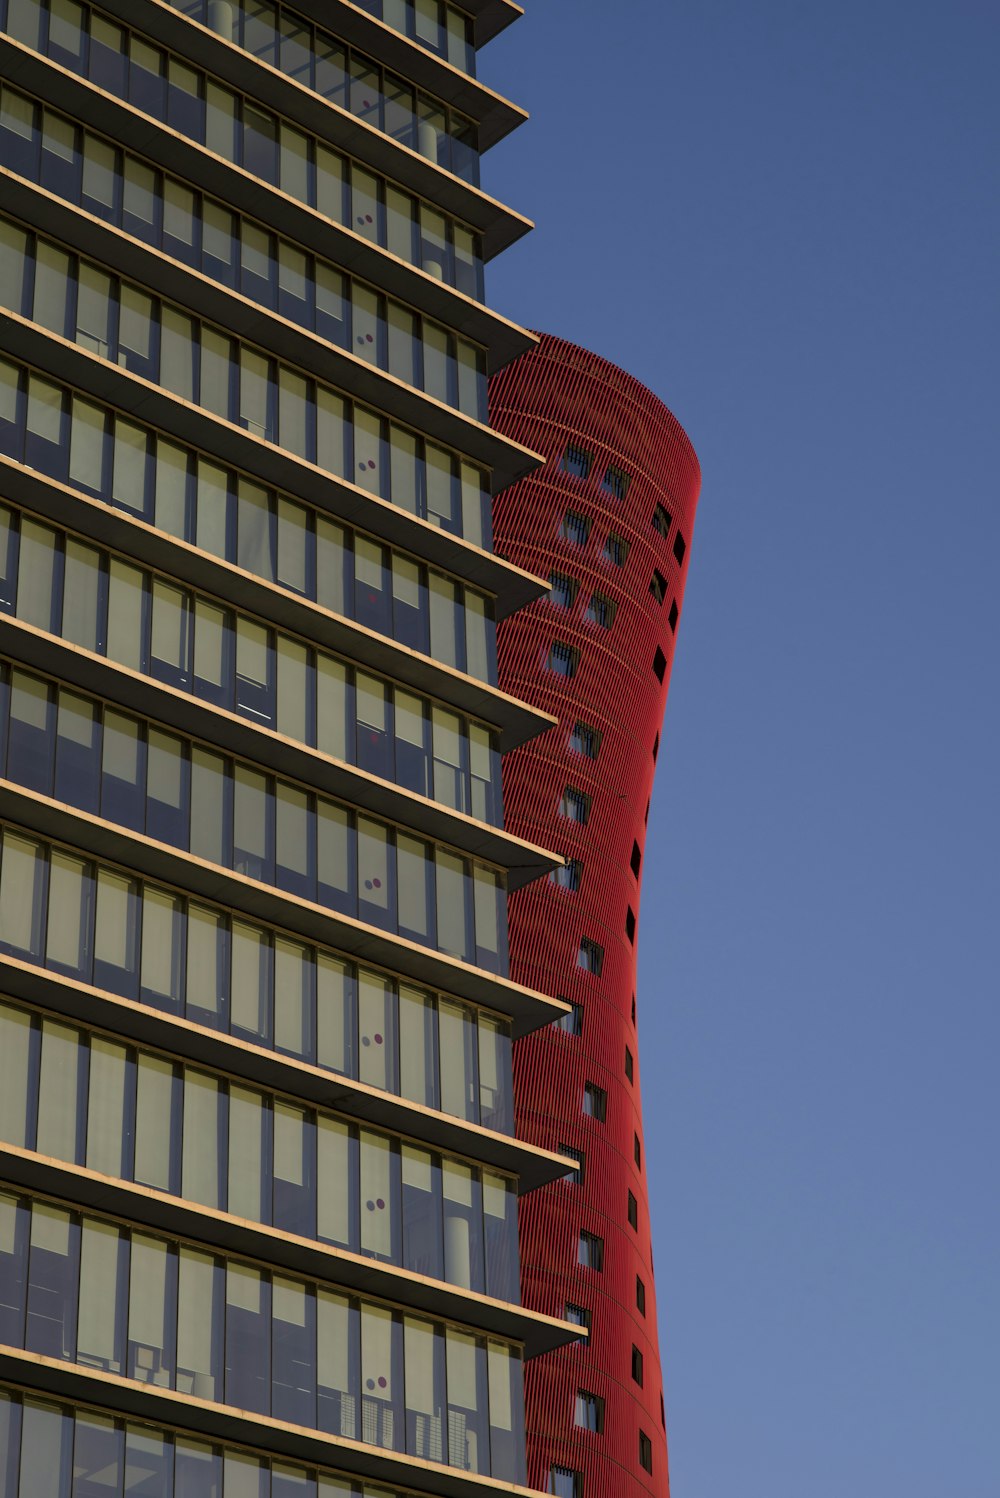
(611, 515)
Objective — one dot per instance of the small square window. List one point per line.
(585, 740)
(637, 1151)
(590, 1252)
(680, 547)
(645, 1453)
(579, 1316)
(595, 1101)
(601, 610)
(576, 1177)
(630, 924)
(659, 664)
(590, 956)
(565, 1483)
(636, 1366)
(576, 461)
(575, 805)
(562, 590)
(633, 1212)
(575, 528)
(616, 482)
(640, 1296)
(589, 1414)
(673, 617)
(616, 550)
(563, 659)
(571, 1023)
(658, 586)
(635, 862)
(661, 521)
(628, 1063)
(568, 875)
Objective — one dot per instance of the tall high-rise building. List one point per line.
(608, 520)
(258, 1174)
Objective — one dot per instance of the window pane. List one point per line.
(337, 1370)
(128, 487)
(199, 1326)
(86, 446)
(151, 1269)
(106, 1106)
(15, 1053)
(102, 1259)
(333, 1173)
(83, 613)
(125, 615)
(68, 937)
(154, 1122)
(58, 1092)
(377, 1196)
(246, 1154)
(200, 1180)
(20, 905)
(46, 1439)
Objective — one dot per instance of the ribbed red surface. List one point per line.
(553, 396)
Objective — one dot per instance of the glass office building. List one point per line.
(258, 1172)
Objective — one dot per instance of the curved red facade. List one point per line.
(596, 653)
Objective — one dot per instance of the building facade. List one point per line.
(608, 521)
(258, 1170)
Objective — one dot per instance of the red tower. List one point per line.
(609, 519)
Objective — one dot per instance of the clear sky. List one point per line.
(783, 216)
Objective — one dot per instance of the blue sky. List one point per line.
(784, 218)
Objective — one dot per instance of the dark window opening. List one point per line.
(635, 861)
(576, 461)
(601, 610)
(589, 1414)
(680, 547)
(661, 521)
(673, 617)
(571, 1023)
(645, 1453)
(640, 1296)
(565, 1483)
(658, 586)
(568, 875)
(659, 664)
(663, 1413)
(630, 925)
(575, 805)
(633, 1212)
(633, 1009)
(637, 1151)
(576, 1177)
(575, 528)
(579, 1316)
(590, 956)
(590, 1251)
(656, 747)
(563, 659)
(646, 815)
(636, 1366)
(616, 550)
(585, 740)
(628, 1063)
(616, 482)
(562, 590)
(595, 1101)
